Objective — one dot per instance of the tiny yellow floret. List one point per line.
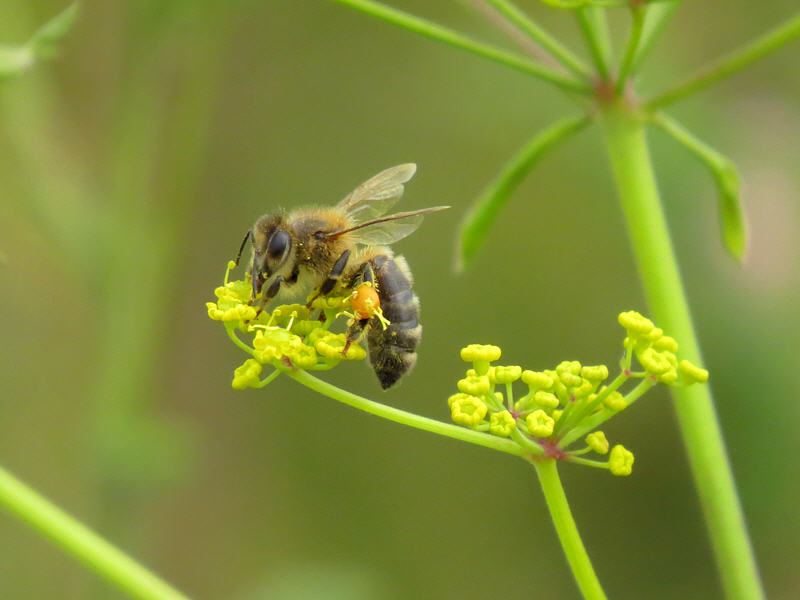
(502, 423)
(654, 362)
(503, 375)
(597, 441)
(615, 401)
(537, 380)
(475, 385)
(595, 374)
(666, 343)
(246, 375)
(468, 411)
(620, 462)
(545, 399)
(692, 373)
(540, 424)
(480, 353)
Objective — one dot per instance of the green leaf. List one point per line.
(726, 177)
(483, 213)
(734, 233)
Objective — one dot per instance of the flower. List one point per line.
(480, 353)
(597, 441)
(467, 410)
(545, 399)
(505, 374)
(692, 373)
(540, 424)
(502, 423)
(620, 462)
(475, 385)
(247, 375)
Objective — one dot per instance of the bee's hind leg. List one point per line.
(333, 277)
(355, 331)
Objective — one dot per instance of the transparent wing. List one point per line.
(388, 230)
(377, 195)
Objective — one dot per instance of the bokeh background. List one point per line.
(131, 167)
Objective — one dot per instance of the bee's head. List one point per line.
(272, 245)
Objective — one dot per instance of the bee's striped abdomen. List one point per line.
(391, 350)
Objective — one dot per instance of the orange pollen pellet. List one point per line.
(365, 301)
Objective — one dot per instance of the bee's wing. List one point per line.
(387, 230)
(377, 195)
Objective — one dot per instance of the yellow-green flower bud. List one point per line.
(569, 366)
(570, 380)
(540, 424)
(692, 373)
(504, 374)
(669, 377)
(595, 374)
(456, 398)
(247, 375)
(502, 423)
(301, 356)
(615, 402)
(557, 415)
(545, 399)
(480, 353)
(468, 411)
(654, 362)
(597, 441)
(654, 335)
(635, 323)
(620, 462)
(537, 380)
(666, 343)
(332, 345)
(475, 385)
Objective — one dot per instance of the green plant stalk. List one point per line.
(406, 418)
(81, 542)
(735, 61)
(567, 531)
(655, 19)
(593, 24)
(453, 38)
(542, 37)
(624, 132)
(626, 66)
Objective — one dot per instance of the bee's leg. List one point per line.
(270, 293)
(333, 277)
(355, 332)
(363, 274)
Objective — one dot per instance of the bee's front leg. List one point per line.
(333, 277)
(355, 331)
(270, 293)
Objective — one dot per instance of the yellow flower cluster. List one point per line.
(289, 337)
(567, 403)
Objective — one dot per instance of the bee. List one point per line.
(344, 248)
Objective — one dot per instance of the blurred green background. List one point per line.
(131, 167)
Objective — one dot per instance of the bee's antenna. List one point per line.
(247, 236)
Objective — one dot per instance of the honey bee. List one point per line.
(344, 248)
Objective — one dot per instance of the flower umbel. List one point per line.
(566, 404)
(290, 337)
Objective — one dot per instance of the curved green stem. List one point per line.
(736, 60)
(658, 269)
(458, 40)
(567, 531)
(655, 19)
(406, 418)
(81, 542)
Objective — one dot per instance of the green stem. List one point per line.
(548, 42)
(593, 24)
(736, 60)
(655, 19)
(636, 185)
(567, 531)
(626, 66)
(453, 38)
(406, 418)
(80, 541)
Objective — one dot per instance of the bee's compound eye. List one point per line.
(278, 244)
